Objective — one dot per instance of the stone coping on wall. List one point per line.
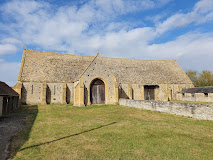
(194, 110)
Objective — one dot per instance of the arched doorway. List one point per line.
(97, 92)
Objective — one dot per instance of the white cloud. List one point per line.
(10, 41)
(202, 12)
(188, 44)
(23, 7)
(38, 23)
(94, 26)
(9, 46)
(73, 29)
(113, 7)
(9, 72)
(203, 6)
(116, 43)
(7, 49)
(157, 18)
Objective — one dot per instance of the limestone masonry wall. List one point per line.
(123, 91)
(47, 93)
(198, 111)
(98, 69)
(164, 92)
(167, 92)
(70, 93)
(54, 93)
(31, 93)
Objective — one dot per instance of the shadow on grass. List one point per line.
(28, 115)
(76, 134)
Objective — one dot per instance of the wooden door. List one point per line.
(97, 92)
(149, 93)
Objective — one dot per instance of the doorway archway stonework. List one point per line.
(96, 70)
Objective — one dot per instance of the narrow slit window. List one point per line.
(32, 89)
(121, 89)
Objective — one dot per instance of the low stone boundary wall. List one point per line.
(194, 110)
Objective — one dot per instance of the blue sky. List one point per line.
(147, 29)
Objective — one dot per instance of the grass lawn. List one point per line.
(110, 132)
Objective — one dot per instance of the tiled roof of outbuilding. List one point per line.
(5, 90)
(41, 66)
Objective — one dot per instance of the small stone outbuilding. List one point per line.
(49, 78)
(9, 99)
(199, 94)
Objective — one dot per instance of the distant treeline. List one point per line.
(205, 78)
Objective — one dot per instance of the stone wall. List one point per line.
(164, 92)
(54, 93)
(98, 69)
(167, 92)
(1, 105)
(70, 93)
(31, 93)
(123, 91)
(137, 91)
(50, 93)
(199, 97)
(198, 111)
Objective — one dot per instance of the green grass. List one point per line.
(52, 133)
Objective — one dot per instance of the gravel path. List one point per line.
(10, 125)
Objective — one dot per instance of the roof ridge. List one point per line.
(101, 56)
(138, 59)
(57, 53)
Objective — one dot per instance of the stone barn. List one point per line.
(50, 78)
(8, 99)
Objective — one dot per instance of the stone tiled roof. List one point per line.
(198, 90)
(147, 71)
(5, 90)
(41, 66)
